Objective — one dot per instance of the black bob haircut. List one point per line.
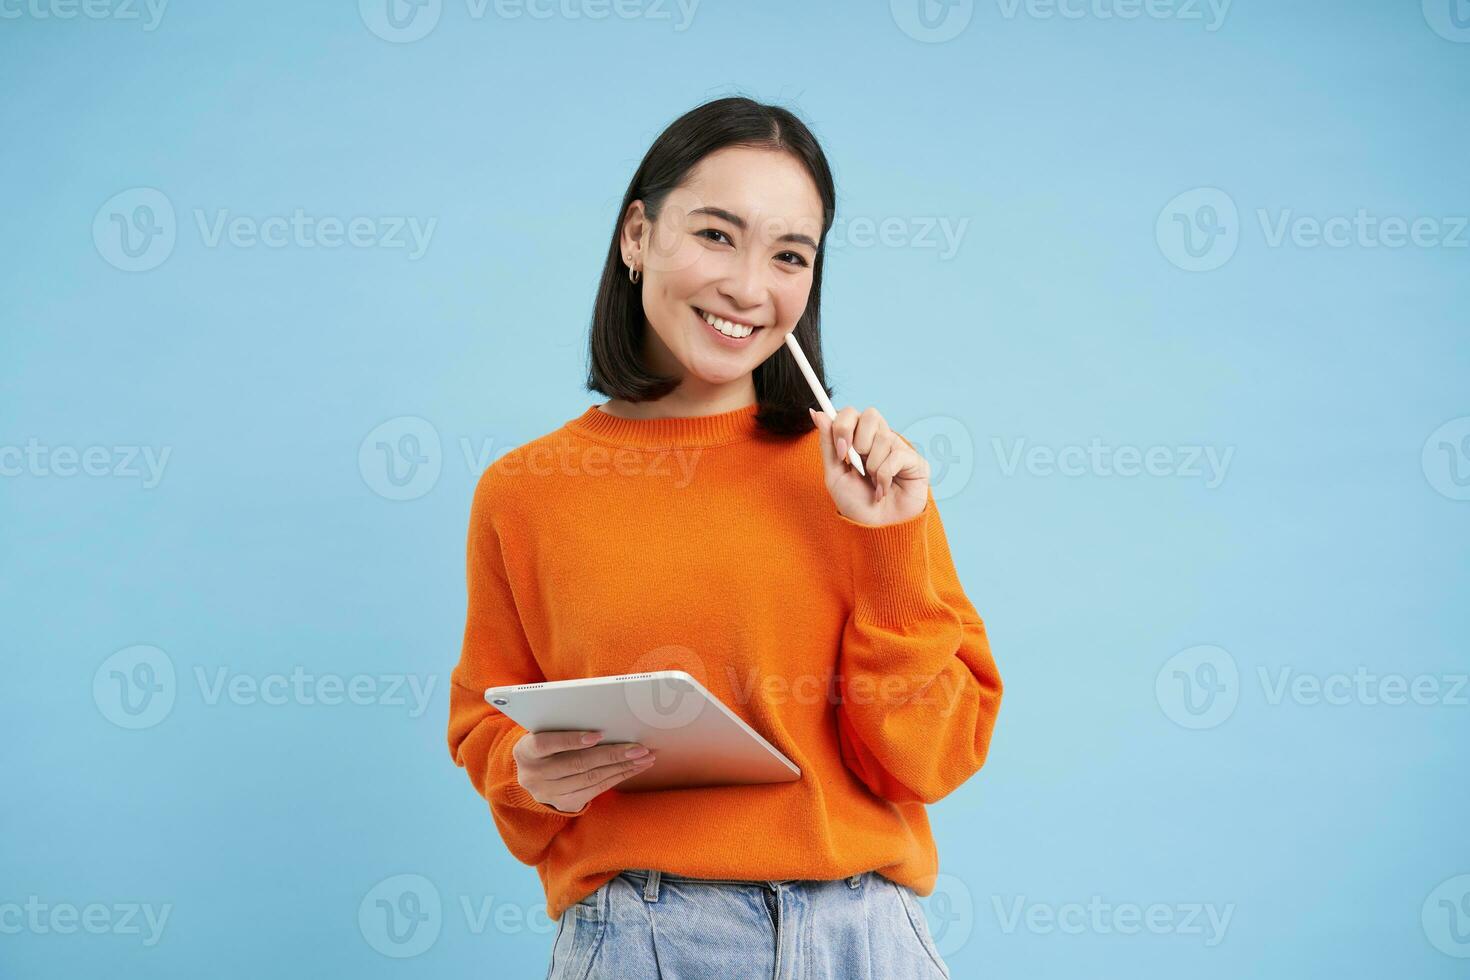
(615, 361)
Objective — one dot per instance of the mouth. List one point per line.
(727, 332)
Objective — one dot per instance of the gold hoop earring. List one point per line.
(633, 275)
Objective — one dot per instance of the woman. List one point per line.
(706, 519)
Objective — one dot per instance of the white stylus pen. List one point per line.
(826, 403)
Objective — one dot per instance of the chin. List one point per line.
(716, 377)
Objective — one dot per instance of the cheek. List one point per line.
(679, 263)
(678, 287)
(791, 299)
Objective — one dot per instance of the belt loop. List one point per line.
(650, 890)
(855, 880)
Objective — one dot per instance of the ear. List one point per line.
(635, 224)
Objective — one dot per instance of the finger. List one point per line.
(842, 430)
(900, 460)
(827, 441)
(824, 429)
(539, 745)
(870, 428)
(594, 778)
(570, 763)
(883, 449)
(576, 801)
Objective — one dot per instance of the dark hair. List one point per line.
(615, 359)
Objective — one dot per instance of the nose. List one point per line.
(744, 287)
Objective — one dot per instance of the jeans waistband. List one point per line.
(651, 878)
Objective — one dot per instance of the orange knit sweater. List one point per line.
(702, 544)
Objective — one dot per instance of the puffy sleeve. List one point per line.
(495, 652)
(920, 689)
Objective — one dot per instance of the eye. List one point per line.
(797, 260)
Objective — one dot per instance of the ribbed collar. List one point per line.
(694, 430)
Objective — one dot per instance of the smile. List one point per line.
(728, 332)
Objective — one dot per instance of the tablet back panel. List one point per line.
(699, 741)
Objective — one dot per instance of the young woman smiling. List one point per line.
(821, 605)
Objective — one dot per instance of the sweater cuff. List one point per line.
(512, 792)
(890, 569)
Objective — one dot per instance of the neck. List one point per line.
(686, 401)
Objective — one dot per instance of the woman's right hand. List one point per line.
(561, 771)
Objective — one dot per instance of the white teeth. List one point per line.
(726, 327)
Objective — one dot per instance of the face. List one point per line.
(736, 240)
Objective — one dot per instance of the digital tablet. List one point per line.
(699, 741)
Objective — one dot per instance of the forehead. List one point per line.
(758, 185)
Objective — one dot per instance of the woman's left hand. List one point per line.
(897, 485)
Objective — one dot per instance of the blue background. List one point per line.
(1334, 541)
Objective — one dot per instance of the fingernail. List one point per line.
(812, 412)
(591, 737)
(842, 448)
(636, 751)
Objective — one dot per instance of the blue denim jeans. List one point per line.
(653, 925)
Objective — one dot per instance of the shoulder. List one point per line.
(518, 475)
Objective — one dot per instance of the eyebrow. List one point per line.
(739, 222)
